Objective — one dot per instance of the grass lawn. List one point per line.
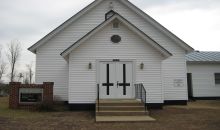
(200, 115)
(5, 112)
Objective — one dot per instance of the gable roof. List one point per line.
(203, 56)
(117, 16)
(180, 42)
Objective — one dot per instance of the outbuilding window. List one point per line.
(217, 78)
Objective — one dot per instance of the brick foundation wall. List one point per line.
(14, 93)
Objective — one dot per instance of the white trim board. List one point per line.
(150, 41)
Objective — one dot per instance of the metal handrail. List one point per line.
(98, 96)
(140, 93)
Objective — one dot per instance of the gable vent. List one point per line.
(111, 5)
(115, 25)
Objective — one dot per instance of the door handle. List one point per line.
(117, 84)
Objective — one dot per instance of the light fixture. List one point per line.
(142, 66)
(90, 66)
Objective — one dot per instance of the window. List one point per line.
(217, 78)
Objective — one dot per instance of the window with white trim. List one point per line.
(217, 78)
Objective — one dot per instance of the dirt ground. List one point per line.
(199, 115)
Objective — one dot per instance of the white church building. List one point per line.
(106, 50)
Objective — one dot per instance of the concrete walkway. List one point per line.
(124, 119)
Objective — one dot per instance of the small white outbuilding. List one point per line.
(203, 74)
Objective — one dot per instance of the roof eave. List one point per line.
(32, 50)
(203, 62)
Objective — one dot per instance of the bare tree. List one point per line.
(2, 64)
(13, 53)
(26, 78)
(20, 77)
(2, 69)
(30, 71)
(0, 51)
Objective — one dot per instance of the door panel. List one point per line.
(124, 79)
(116, 80)
(107, 80)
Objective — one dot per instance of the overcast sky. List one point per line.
(197, 22)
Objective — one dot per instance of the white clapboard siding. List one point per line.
(82, 81)
(203, 80)
(50, 66)
(174, 67)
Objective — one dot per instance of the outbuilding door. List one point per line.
(116, 80)
(189, 84)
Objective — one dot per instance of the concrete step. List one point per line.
(119, 101)
(120, 108)
(122, 113)
(121, 104)
(124, 118)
